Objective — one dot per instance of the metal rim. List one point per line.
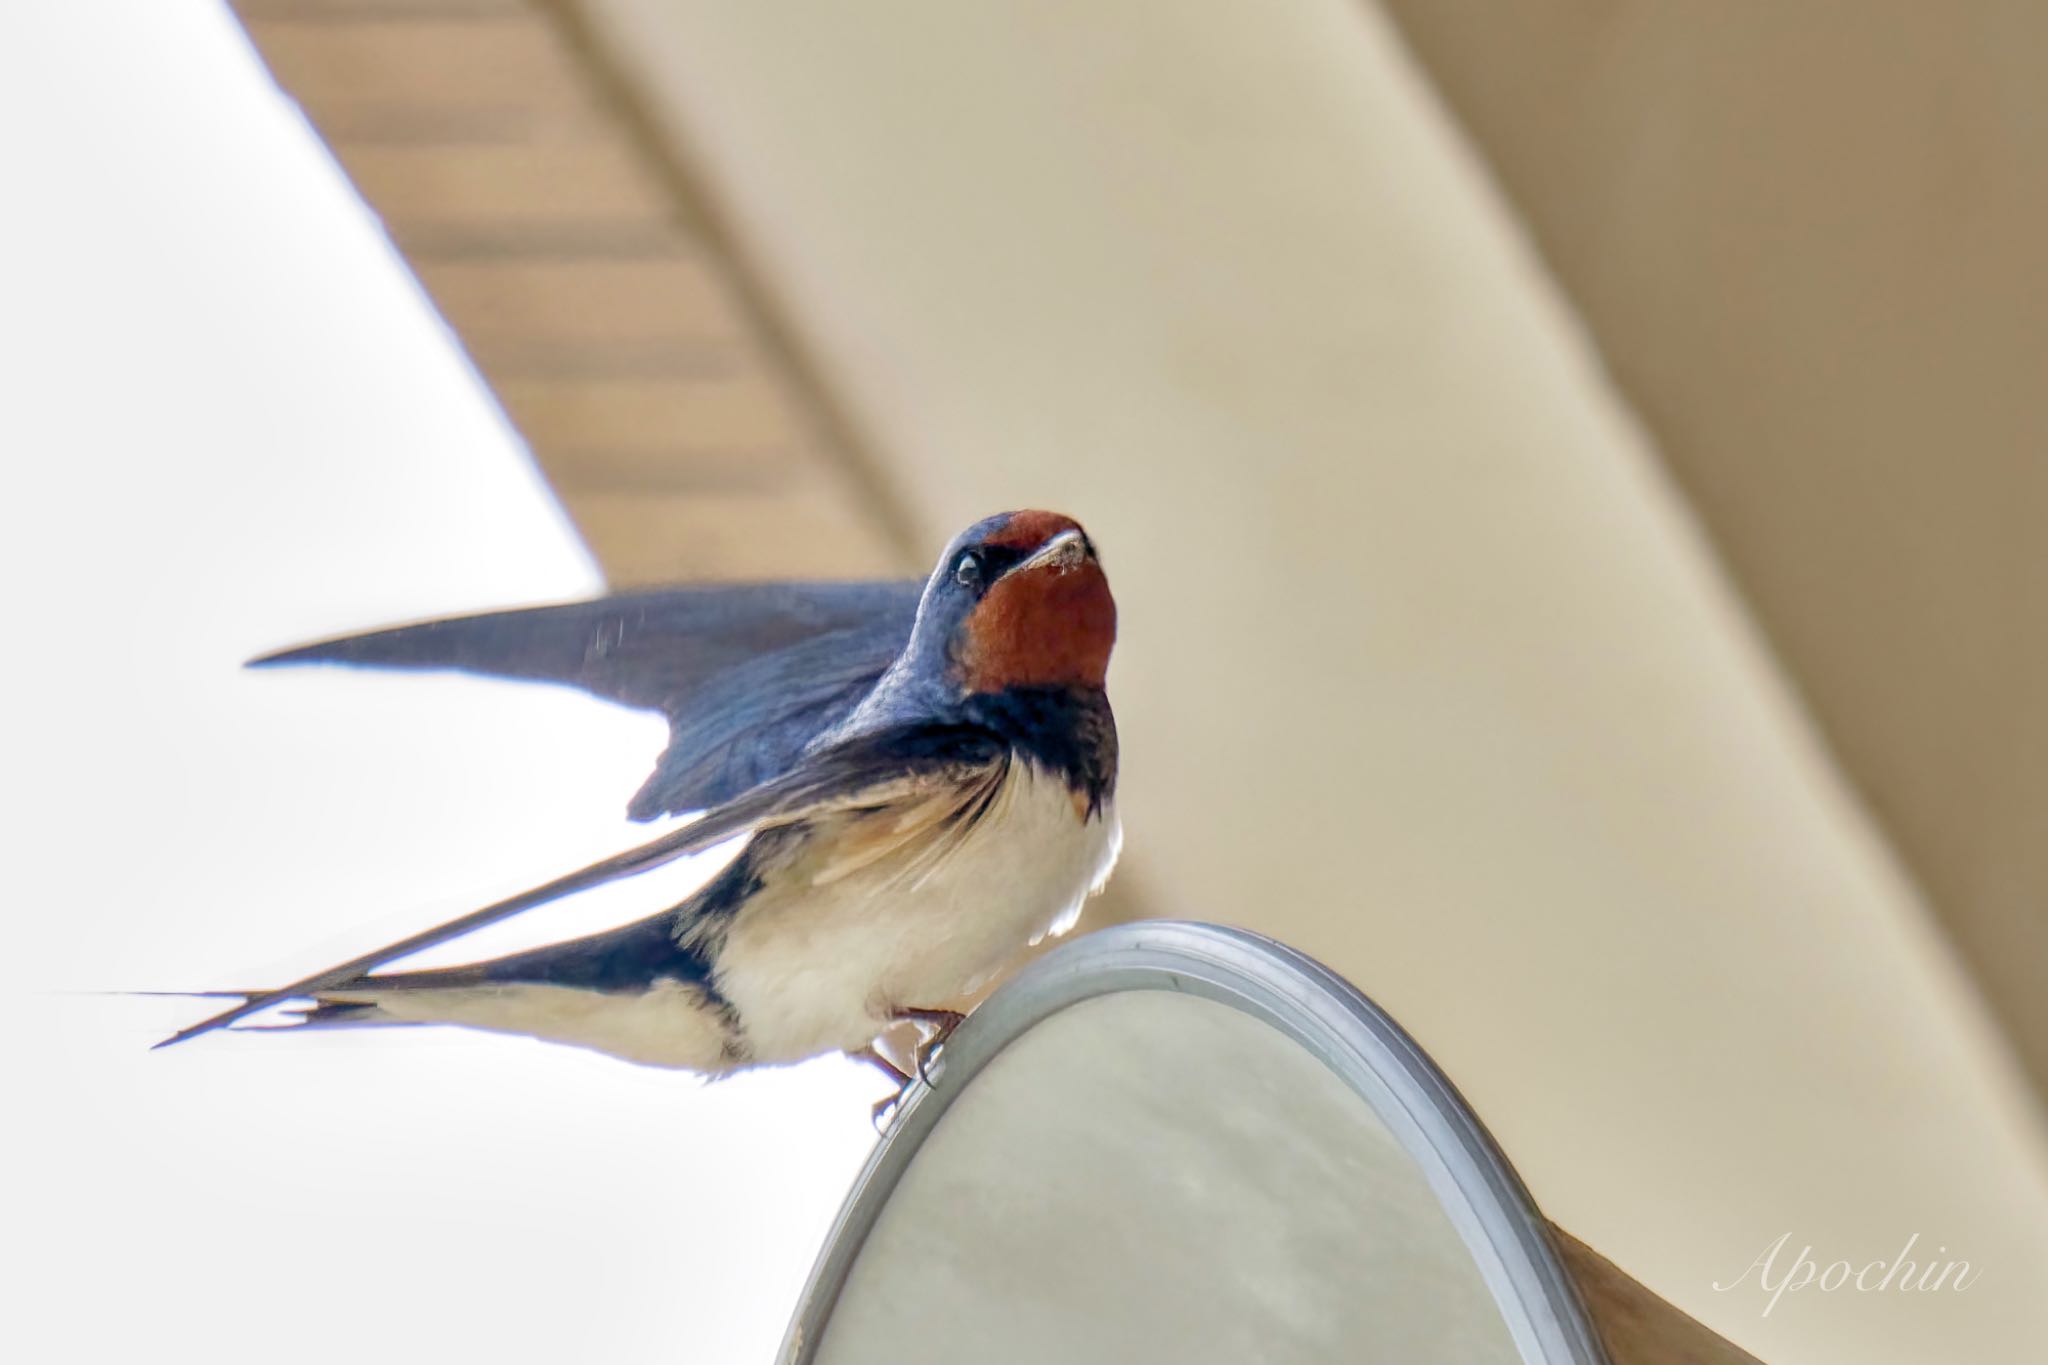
(1320, 1010)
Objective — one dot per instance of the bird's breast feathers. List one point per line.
(908, 904)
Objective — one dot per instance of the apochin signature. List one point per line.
(1898, 1275)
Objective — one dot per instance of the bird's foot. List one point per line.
(884, 1112)
(935, 1026)
(943, 1021)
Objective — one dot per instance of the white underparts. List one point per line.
(842, 936)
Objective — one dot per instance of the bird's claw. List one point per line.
(883, 1114)
(934, 1026)
(930, 1060)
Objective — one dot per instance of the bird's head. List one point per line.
(1018, 600)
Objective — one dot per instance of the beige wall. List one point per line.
(1812, 242)
(1425, 667)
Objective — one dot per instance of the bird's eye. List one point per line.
(967, 573)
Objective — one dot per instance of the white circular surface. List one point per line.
(1151, 1176)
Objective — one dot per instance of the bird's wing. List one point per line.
(746, 674)
(862, 773)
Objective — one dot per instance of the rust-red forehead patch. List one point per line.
(1029, 530)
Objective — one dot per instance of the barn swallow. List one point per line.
(926, 780)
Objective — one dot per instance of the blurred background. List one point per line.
(1571, 471)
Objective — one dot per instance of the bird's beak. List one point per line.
(1067, 550)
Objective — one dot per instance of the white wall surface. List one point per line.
(230, 423)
